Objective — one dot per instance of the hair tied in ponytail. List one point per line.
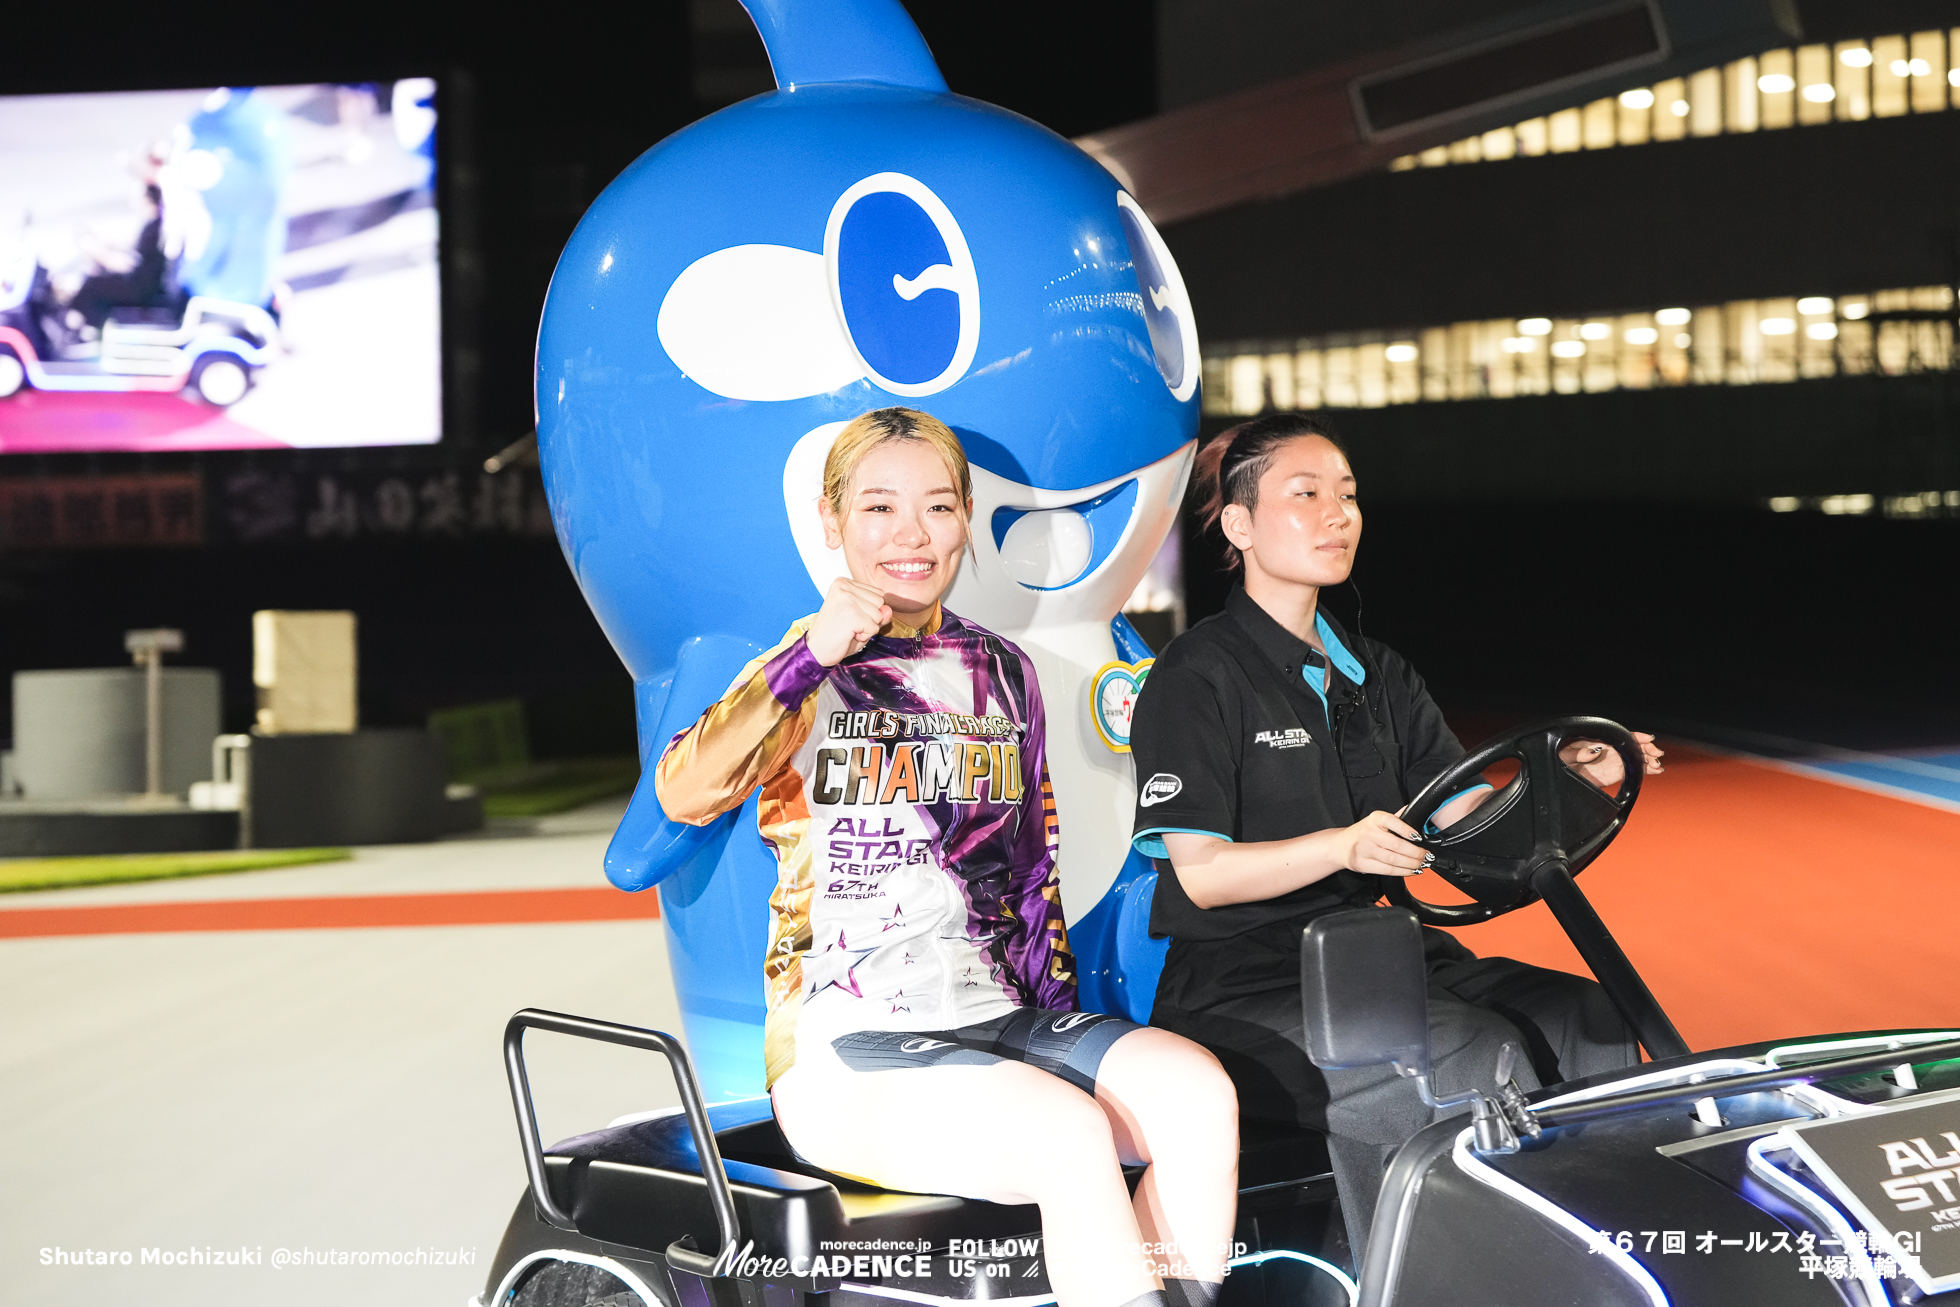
(1228, 469)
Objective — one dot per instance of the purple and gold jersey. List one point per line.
(905, 795)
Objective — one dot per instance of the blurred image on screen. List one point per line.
(229, 268)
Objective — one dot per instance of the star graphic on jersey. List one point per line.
(895, 920)
(968, 982)
(848, 982)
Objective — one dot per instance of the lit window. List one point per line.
(1738, 343)
(1785, 504)
(1856, 505)
(1706, 110)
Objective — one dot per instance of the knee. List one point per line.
(1188, 1101)
(1207, 1092)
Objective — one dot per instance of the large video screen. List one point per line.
(228, 268)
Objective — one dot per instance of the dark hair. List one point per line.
(1229, 468)
(154, 194)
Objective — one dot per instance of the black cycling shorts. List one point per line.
(1068, 1044)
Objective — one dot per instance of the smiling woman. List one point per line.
(897, 498)
(920, 985)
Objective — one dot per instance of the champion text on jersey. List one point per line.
(929, 771)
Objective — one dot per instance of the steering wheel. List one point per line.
(1547, 812)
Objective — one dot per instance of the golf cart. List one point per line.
(1773, 1174)
(210, 349)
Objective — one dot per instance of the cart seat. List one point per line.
(640, 1183)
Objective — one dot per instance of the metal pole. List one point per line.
(152, 660)
(148, 647)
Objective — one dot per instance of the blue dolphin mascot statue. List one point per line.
(858, 238)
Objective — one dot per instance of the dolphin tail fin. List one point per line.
(844, 41)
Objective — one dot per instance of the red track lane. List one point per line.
(500, 907)
(1760, 904)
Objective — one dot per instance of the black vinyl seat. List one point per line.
(639, 1185)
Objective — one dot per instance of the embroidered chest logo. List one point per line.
(1290, 738)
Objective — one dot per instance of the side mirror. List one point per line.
(1363, 991)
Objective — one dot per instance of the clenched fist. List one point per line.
(852, 613)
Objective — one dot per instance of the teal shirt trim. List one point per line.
(1150, 843)
(1337, 654)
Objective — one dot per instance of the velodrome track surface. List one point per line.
(308, 1058)
(1762, 899)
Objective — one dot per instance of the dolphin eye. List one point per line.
(904, 284)
(1166, 307)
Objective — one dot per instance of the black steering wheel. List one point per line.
(1547, 812)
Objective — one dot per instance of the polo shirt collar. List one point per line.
(1287, 650)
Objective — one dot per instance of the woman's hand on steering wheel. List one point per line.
(1382, 844)
(852, 613)
(1602, 765)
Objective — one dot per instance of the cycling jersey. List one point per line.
(906, 798)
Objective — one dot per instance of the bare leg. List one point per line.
(1007, 1133)
(1170, 1104)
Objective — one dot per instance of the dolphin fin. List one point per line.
(844, 41)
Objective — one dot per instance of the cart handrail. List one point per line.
(720, 1196)
(1580, 1111)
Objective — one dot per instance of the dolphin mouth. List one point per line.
(1054, 548)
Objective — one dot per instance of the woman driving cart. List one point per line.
(1273, 752)
(923, 1031)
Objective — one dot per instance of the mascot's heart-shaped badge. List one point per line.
(1113, 699)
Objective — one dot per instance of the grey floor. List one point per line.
(333, 1090)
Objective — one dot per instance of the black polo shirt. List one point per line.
(1234, 736)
